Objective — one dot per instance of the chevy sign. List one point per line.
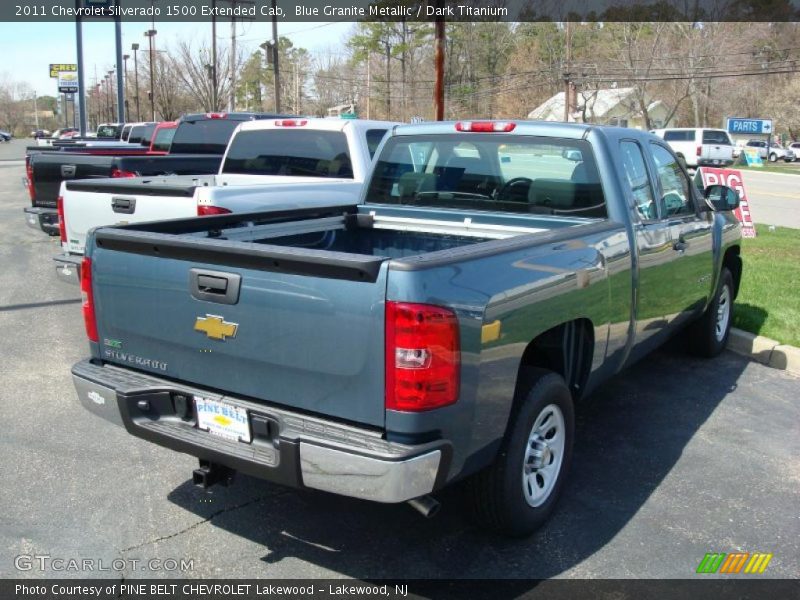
(747, 126)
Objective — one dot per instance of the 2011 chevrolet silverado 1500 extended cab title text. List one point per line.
(196, 148)
(282, 163)
(494, 274)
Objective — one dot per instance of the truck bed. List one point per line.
(308, 285)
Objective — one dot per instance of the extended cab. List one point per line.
(281, 163)
(494, 274)
(196, 148)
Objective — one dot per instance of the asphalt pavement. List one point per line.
(774, 197)
(675, 457)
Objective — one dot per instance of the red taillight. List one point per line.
(119, 173)
(290, 122)
(205, 209)
(88, 299)
(699, 151)
(62, 224)
(217, 115)
(423, 359)
(485, 126)
(29, 175)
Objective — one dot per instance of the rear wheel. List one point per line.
(519, 491)
(773, 157)
(709, 335)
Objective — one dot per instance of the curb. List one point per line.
(764, 350)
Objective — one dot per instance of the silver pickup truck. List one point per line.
(442, 329)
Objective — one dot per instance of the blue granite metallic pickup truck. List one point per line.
(443, 329)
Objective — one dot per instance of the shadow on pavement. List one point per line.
(630, 434)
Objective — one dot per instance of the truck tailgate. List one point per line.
(291, 337)
(86, 209)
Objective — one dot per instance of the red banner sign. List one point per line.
(733, 179)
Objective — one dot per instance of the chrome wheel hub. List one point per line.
(544, 454)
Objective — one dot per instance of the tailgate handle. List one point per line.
(214, 286)
(68, 171)
(123, 205)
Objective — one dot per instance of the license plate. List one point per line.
(224, 420)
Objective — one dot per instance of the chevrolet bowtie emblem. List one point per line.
(216, 327)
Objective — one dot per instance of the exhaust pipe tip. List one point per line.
(427, 506)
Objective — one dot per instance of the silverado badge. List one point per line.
(215, 327)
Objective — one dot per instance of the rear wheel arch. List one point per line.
(566, 349)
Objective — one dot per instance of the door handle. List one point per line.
(68, 171)
(123, 205)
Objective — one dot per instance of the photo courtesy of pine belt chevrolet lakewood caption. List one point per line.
(440, 328)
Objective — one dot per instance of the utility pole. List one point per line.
(567, 74)
(125, 58)
(438, 59)
(150, 34)
(81, 87)
(135, 48)
(214, 106)
(275, 69)
(111, 93)
(120, 82)
(232, 95)
(369, 81)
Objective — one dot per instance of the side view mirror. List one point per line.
(573, 155)
(721, 197)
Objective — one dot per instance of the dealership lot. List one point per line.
(676, 457)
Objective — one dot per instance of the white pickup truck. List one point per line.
(699, 147)
(279, 164)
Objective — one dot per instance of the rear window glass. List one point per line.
(679, 136)
(374, 139)
(293, 152)
(716, 137)
(108, 131)
(147, 134)
(521, 174)
(163, 139)
(135, 137)
(206, 136)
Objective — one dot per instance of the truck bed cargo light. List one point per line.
(290, 122)
(485, 126)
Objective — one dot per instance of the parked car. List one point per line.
(40, 133)
(281, 163)
(5, 136)
(443, 329)
(776, 151)
(197, 148)
(699, 147)
(795, 148)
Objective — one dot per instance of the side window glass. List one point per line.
(636, 174)
(676, 197)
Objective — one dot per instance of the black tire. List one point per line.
(495, 495)
(703, 337)
(773, 157)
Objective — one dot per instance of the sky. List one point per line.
(27, 49)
